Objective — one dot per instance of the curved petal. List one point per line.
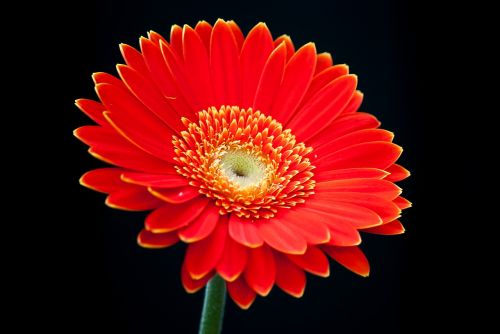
(379, 154)
(171, 217)
(155, 180)
(202, 256)
(289, 277)
(204, 30)
(104, 180)
(287, 42)
(94, 110)
(392, 228)
(134, 59)
(322, 79)
(255, 51)
(260, 272)
(245, 232)
(277, 235)
(297, 77)
(233, 260)
(313, 261)
(323, 108)
(397, 173)
(382, 188)
(311, 228)
(175, 195)
(148, 239)
(190, 284)
(224, 61)
(241, 293)
(350, 257)
(402, 203)
(132, 199)
(354, 103)
(323, 61)
(350, 173)
(202, 226)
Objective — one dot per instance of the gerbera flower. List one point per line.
(251, 152)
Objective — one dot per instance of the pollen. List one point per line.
(245, 161)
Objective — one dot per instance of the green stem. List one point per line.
(213, 306)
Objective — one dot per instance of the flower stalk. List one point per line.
(213, 306)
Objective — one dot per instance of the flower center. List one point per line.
(244, 161)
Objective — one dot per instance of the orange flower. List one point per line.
(251, 152)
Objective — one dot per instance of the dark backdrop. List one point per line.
(97, 278)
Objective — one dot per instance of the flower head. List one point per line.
(251, 152)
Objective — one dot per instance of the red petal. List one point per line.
(350, 173)
(392, 228)
(313, 261)
(323, 61)
(311, 228)
(260, 272)
(290, 49)
(233, 260)
(93, 110)
(255, 51)
(327, 151)
(134, 59)
(109, 146)
(241, 293)
(155, 180)
(148, 239)
(398, 173)
(350, 257)
(339, 232)
(238, 35)
(372, 155)
(176, 39)
(163, 77)
(322, 79)
(156, 38)
(146, 92)
(197, 65)
(224, 61)
(344, 125)
(133, 199)
(402, 203)
(277, 235)
(202, 256)
(296, 79)
(132, 120)
(382, 188)
(204, 29)
(103, 180)
(202, 226)
(101, 77)
(171, 217)
(175, 195)
(289, 277)
(342, 213)
(270, 80)
(354, 103)
(323, 108)
(244, 231)
(192, 285)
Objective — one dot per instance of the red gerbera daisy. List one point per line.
(251, 152)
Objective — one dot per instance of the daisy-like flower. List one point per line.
(251, 152)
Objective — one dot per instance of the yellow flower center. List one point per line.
(245, 161)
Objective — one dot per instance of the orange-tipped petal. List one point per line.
(402, 203)
(297, 76)
(224, 62)
(350, 257)
(148, 239)
(392, 228)
(171, 217)
(94, 110)
(289, 277)
(204, 30)
(245, 232)
(103, 180)
(233, 260)
(154, 180)
(255, 51)
(175, 195)
(324, 78)
(132, 199)
(190, 284)
(287, 41)
(323, 61)
(354, 103)
(313, 261)
(202, 226)
(134, 59)
(397, 173)
(203, 256)
(260, 272)
(280, 237)
(241, 293)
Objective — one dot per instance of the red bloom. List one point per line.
(252, 153)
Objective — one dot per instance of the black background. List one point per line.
(96, 277)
